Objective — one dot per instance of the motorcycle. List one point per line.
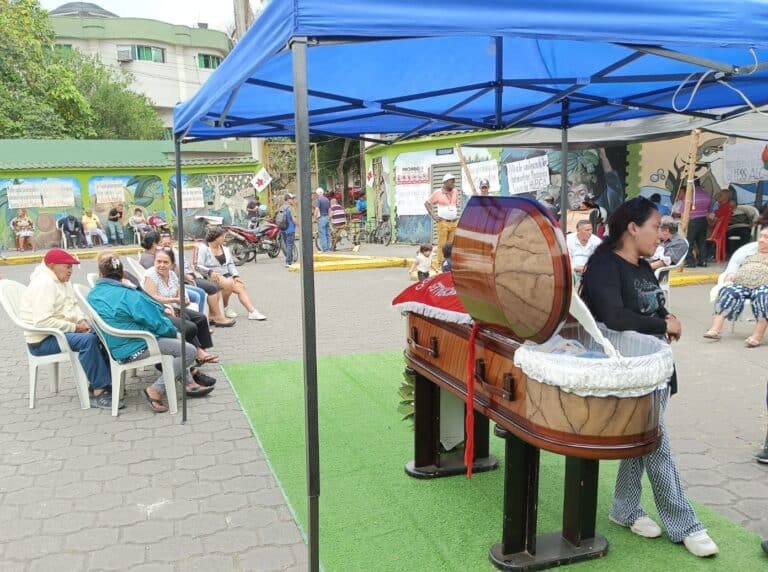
(246, 243)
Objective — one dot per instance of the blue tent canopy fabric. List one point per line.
(400, 67)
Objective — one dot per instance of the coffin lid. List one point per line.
(511, 267)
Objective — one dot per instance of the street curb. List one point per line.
(333, 262)
(80, 253)
(693, 279)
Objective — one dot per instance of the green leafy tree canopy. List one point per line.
(48, 95)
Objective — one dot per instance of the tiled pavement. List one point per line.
(80, 490)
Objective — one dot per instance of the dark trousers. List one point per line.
(697, 237)
(89, 352)
(209, 287)
(288, 239)
(196, 329)
(741, 236)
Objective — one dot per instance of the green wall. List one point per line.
(46, 234)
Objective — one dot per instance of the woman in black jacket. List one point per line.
(621, 291)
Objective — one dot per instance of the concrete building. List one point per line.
(169, 63)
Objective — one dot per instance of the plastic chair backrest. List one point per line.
(91, 277)
(10, 298)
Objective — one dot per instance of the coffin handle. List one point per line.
(430, 350)
(505, 392)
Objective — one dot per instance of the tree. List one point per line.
(38, 97)
(117, 112)
(47, 94)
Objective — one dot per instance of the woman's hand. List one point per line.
(216, 277)
(730, 278)
(238, 279)
(674, 328)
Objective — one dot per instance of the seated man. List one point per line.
(739, 233)
(581, 245)
(672, 248)
(49, 302)
(92, 226)
(73, 231)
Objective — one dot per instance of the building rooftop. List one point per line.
(46, 154)
(82, 9)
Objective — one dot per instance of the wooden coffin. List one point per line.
(540, 414)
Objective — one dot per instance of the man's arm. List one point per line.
(430, 210)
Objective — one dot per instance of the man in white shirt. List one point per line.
(49, 302)
(581, 245)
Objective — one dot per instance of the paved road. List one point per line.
(80, 490)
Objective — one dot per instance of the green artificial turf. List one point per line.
(375, 518)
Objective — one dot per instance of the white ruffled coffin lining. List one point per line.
(640, 365)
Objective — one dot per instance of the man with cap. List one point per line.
(446, 199)
(322, 206)
(484, 187)
(289, 234)
(49, 302)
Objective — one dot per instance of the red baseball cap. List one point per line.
(59, 256)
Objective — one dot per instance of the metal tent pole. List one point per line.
(564, 166)
(301, 118)
(182, 292)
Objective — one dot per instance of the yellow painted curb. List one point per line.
(692, 279)
(81, 253)
(355, 263)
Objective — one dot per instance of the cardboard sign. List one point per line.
(528, 175)
(109, 191)
(192, 198)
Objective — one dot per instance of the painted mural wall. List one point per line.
(46, 234)
(401, 174)
(721, 162)
(224, 194)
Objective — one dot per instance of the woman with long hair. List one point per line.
(214, 260)
(621, 291)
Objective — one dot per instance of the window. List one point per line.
(208, 61)
(63, 49)
(148, 54)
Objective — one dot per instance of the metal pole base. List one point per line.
(450, 466)
(551, 550)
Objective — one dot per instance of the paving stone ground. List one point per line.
(80, 490)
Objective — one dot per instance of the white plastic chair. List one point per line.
(118, 369)
(137, 269)
(91, 277)
(10, 298)
(662, 274)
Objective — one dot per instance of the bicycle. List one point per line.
(341, 238)
(382, 234)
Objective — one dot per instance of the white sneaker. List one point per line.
(700, 544)
(643, 526)
(230, 313)
(256, 315)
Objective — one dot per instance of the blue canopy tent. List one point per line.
(359, 69)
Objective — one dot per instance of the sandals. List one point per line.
(155, 405)
(204, 380)
(751, 342)
(712, 335)
(228, 324)
(209, 358)
(195, 390)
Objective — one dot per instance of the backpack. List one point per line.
(281, 218)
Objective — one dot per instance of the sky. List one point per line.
(218, 14)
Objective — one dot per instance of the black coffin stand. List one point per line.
(520, 548)
(428, 462)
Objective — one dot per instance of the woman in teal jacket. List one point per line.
(124, 307)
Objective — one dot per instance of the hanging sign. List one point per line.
(744, 162)
(528, 175)
(412, 188)
(109, 191)
(24, 196)
(192, 197)
(58, 194)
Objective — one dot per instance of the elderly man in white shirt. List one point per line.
(49, 302)
(581, 245)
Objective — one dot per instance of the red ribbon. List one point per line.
(469, 422)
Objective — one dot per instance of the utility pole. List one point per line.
(243, 17)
